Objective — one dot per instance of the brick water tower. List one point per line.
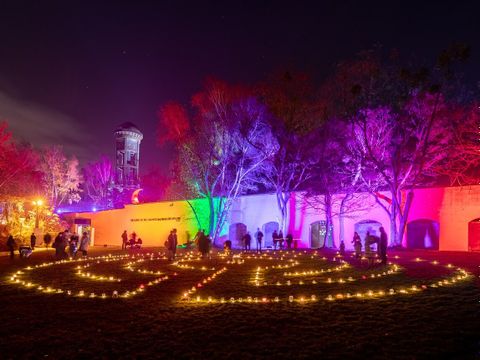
(127, 156)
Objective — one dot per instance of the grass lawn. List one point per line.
(402, 312)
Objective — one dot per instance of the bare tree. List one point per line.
(98, 183)
(61, 176)
(227, 144)
(402, 149)
(295, 120)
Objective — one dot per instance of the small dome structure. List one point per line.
(128, 126)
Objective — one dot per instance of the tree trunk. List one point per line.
(329, 236)
(211, 218)
(282, 201)
(195, 213)
(341, 216)
(404, 217)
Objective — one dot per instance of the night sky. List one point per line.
(70, 72)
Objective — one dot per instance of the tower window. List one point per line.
(119, 158)
(120, 145)
(133, 175)
(132, 159)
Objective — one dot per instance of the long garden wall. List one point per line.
(439, 219)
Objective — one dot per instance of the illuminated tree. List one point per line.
(225, 146)
(20, 182)
(335, 188)
(61, 176)
(173, 122)
(295, 120)
(19, 176)
(405, 129)
(403, 149)
(98, 181)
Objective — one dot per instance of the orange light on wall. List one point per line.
(135, 199)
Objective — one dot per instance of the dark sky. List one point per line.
(70, 72)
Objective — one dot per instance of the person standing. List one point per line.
(280, 239)
(72, 245)
(259, 237)
(47, 239)
(382, 245)
(247, 239)
(133, 239)
(203, 245)
(124, 240)
(84, 242)
(63, 245)
(174, 243)
(33, 241)
(289, 241)
(57, 245)
(11, 246)
(274, 239)
(357, 244)
(171, 245)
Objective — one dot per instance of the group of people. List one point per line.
(381, 242)
(62, 241)
(74, 243)
(247, 239)
(133, 242)
(277, 240)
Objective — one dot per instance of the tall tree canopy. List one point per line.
(226, 145)
(61, 176)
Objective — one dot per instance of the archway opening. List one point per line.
(318, 231)
(423, 234)
(268, 230)
(368, 226)
(474, 235)
(235, 234)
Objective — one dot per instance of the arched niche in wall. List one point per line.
(268, 229)
(423, 234)
(318, 231)
(235, 234)
(474, 235)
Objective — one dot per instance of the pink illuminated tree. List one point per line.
(402, 149)
(403, 122)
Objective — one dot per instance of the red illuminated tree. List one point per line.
(18, 166)
(227, 143)
(173, 123)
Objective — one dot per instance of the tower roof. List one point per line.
(128, 126)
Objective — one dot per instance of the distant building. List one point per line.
(127, 156)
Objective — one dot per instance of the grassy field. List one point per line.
(161, 318)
